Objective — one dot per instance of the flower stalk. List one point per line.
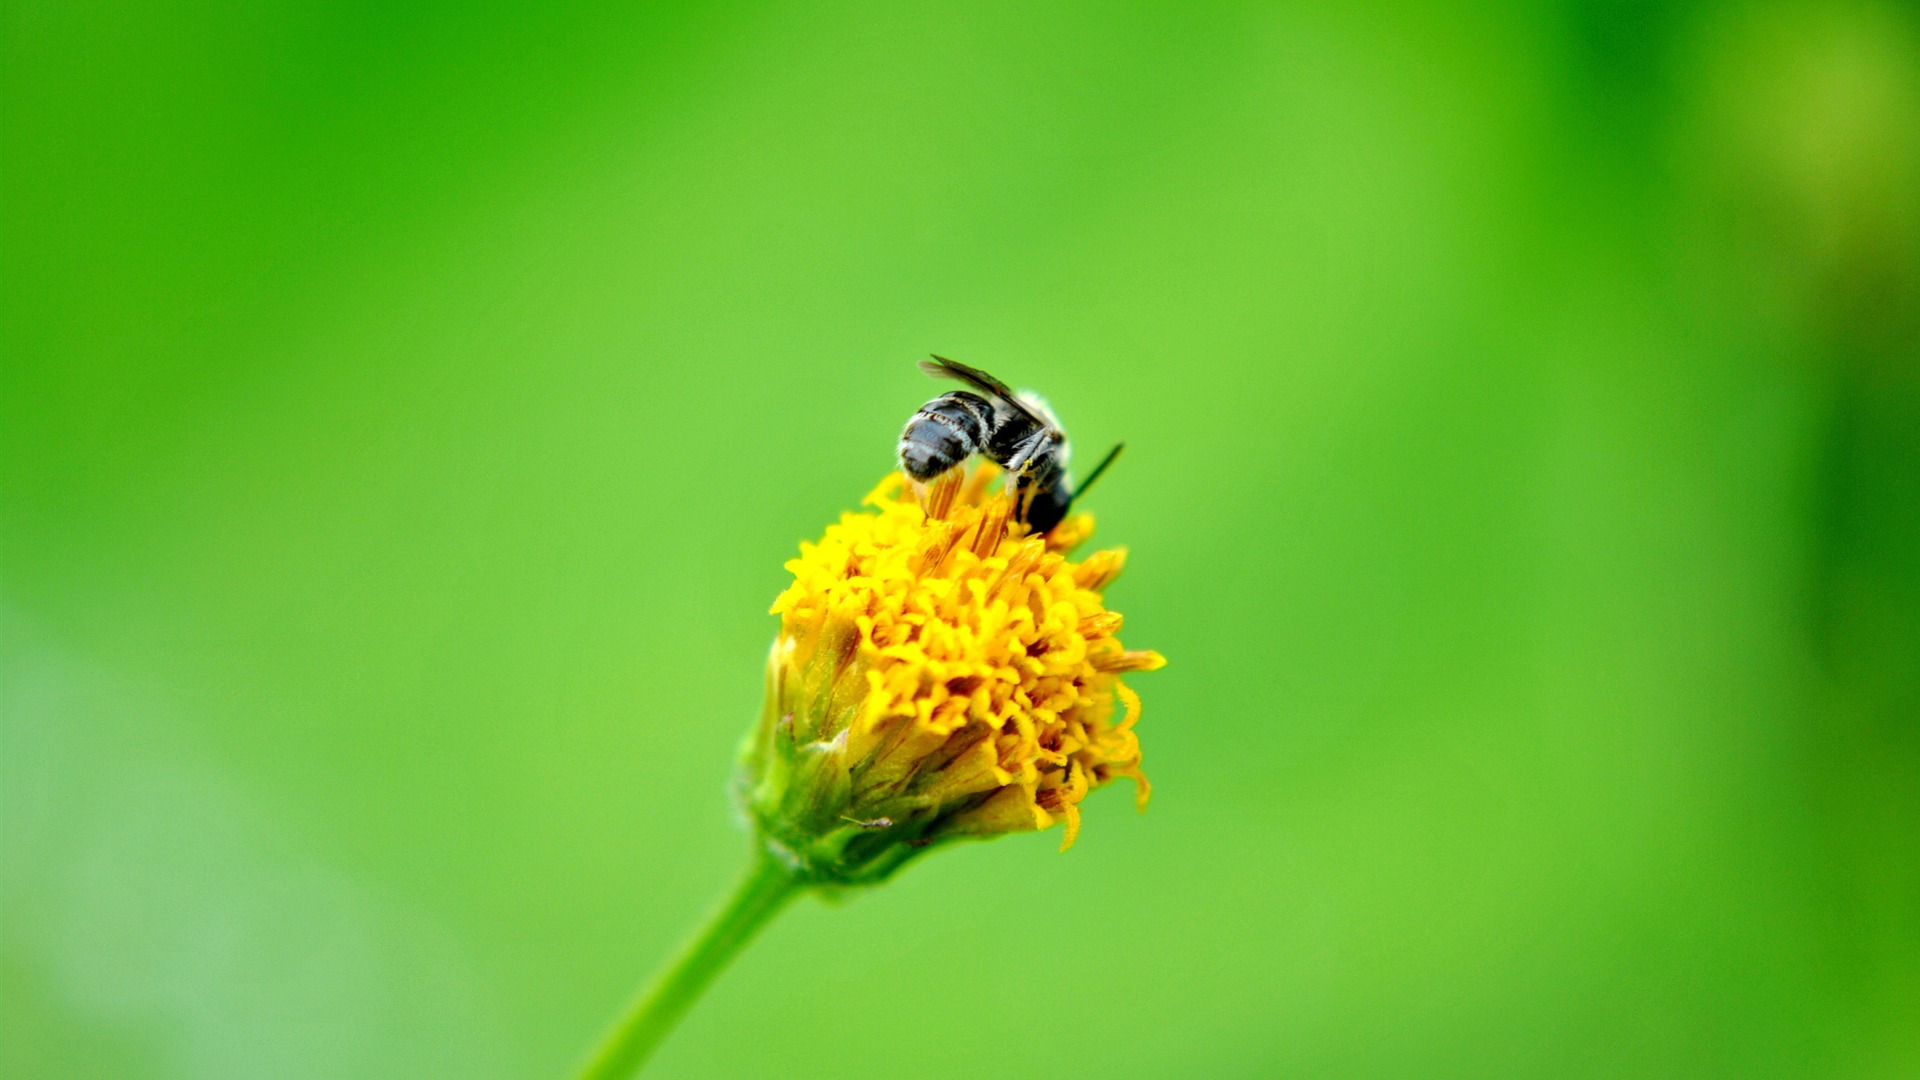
(762, 892)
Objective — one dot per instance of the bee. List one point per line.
(1015, 431)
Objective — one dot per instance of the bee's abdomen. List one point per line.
(945, 432)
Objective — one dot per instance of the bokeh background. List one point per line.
(407, 410)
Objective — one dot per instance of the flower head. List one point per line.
(938, 674)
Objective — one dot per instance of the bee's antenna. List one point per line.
(1100, 468)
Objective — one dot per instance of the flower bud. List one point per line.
(936, 677)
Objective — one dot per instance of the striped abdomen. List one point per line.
(945, 432)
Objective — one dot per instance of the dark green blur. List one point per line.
(406, 412)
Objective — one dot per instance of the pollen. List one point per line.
(942, 671)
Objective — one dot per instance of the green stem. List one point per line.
(761, 894)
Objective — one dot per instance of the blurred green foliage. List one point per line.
(407, 411)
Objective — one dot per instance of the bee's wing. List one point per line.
(942, 368)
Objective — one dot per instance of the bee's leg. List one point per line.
(1020, 489)
(1024, 451)
(1032, 467)
(1019, 466)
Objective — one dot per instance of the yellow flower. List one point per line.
(938, 674)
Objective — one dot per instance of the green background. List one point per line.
(407, 411)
